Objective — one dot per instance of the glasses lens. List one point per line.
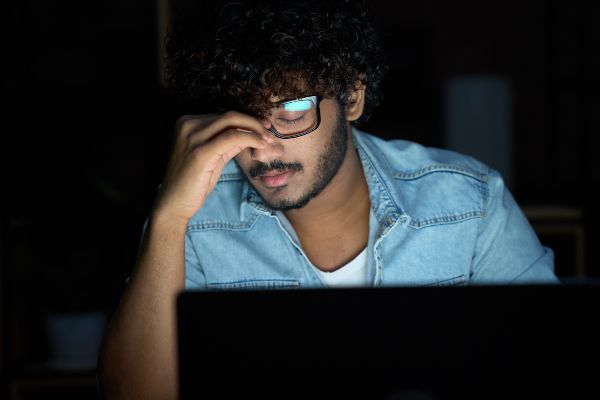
(296, 116)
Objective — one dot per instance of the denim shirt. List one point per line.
(437, 218)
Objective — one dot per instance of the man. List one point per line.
(280, 190)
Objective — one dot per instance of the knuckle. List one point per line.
(183, 123)
(188, 120)
(184, 119)
(231, 114)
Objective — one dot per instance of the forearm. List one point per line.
(139, 355)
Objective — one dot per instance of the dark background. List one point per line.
(86, 131)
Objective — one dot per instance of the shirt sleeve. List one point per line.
(508, 249)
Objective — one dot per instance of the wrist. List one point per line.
(163, 220)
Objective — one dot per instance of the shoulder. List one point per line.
(431, 185)
(410, 160)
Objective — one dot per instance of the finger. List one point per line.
(188, 124)
(232, 142)
(203, 119)
(238, 137)
(230, 119)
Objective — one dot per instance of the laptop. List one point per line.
(389, 343)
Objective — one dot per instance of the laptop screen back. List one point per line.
(444, 342)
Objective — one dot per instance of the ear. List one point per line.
(356, 103)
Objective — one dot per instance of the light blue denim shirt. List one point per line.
(437, 218)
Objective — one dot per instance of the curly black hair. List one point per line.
(248, 51)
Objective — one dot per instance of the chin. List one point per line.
(292, 204)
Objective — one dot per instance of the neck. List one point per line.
(345, 201)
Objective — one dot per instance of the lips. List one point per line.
(273, 179)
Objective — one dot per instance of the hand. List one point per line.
(203, 145)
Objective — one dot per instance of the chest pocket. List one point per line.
(443, 194)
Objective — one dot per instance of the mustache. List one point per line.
(277, 165)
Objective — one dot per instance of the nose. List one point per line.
(273, 150)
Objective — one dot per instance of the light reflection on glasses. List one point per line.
(295, 118)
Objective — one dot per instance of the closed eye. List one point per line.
(291, 121)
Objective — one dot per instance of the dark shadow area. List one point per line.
(87, 127)
(437, 343)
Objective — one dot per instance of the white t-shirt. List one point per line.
(350, 275)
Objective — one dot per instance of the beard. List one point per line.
(329, 163)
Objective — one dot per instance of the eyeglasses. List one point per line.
(295, 118)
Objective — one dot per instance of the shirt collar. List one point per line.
(384, 200)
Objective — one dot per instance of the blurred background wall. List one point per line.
(87, 126)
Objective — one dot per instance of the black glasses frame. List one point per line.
(297, 135)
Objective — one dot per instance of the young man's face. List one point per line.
(290, 172)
